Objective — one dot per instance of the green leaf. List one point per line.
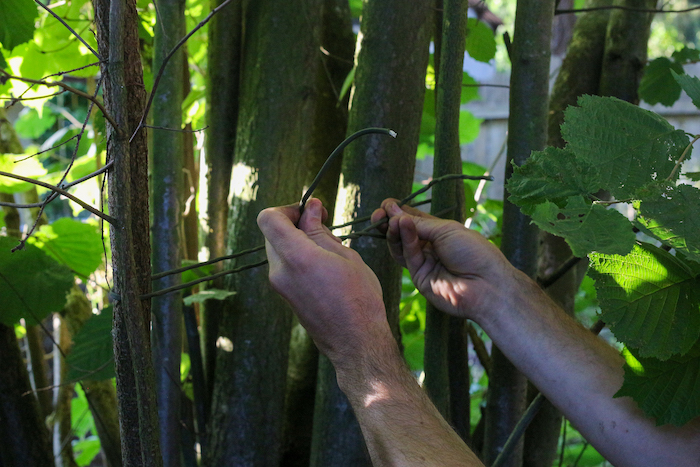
(92, 355)
(86, 450)
(691, 86)
(686, 55)
(480, 42)
(32, 285)
(73, 243)
(470, 89)
(551, 175)
(347, 84)
(672, 214)
(209, 294)
(468, 127)
(17, 25)
(666, 390)
(658, 85)
(31, 125)
(692, 176)
(13, 163)
(631, 147)
(586, 227)
(650, 299)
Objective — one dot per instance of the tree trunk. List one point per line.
(329, 128)
(527, 131)
(224, 58)
(389, 88)
(124, 95)
(445, 195)
(578, 75)
(166, 228)
(277, 100)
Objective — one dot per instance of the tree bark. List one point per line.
(124, 95)
(527, 131)
(391, 61)
(277, 100)
(447, 160)
(166, 228)
(223, 80)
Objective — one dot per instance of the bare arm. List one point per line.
(579, 373)
(339, 301)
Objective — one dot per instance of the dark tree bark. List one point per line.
(167, 227)
(224, 59)
(329, 128)
(388, 92)
(527, 131)
(124, 96)
(278, 77)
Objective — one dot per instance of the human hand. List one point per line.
(457, 269)
(336, 296)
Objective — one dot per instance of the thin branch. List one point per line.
(682, 158)
(94, 52)
(165, 62)
(174, 129)
(35, 98)
(56, 189)
(67, 88)
(622, 7)
(481, 353)
(206, 263)
(481, 85)
(546, 282)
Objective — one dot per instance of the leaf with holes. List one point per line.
(666, 390)
(672, 214)
(92, 356)
(586, 227)
(551, 175)
(631, 147)
(32, 284)
(650, 299)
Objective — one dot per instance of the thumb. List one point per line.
(311, 223)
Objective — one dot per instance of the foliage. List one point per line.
(647, 294)
(658, 85)
(92, 357)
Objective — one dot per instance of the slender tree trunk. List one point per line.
(166, 228)
(578, 75)
(527, 131)
(224, 58)
(329, 129)
(389, 88)
(124, 95)
(447, 160)
(277, 102)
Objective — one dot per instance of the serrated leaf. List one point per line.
(672, 214)
(650, 299)
(551, 175)
(686, 55)
(691, 86)
(209, 294)
(73, 243)
(20, 28)
(666, 390)
(631, 147)
(658, 85)
(586, 227)
(692, 176)
(92, 356)
(32, 285)
(480, 42)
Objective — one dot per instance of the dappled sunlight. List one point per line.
(244, 182)
(634, 364)
(379, 393)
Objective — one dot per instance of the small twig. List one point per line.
(94, 52)
(334, 155)
(622, 7)
(174, 129)
(35, 98)
(47, 150)
(580, 454)
(67, 88)
(56, 189)
(682, 158)
(165, 62)
(545, 282)
(206, 263)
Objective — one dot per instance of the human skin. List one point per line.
(338, 300)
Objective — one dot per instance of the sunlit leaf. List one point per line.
(480, 42)
(209, 294)
(666, 390)
(32, 285)
(10, 163)
(76, 244)
(468, 127)
(650, 299)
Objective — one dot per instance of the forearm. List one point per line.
(579, 373)
(400, 424)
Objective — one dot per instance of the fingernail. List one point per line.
(314, 207)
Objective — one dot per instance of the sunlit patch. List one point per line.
(634, 364)
(244, 182)
(379, 393)
(224, 343)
